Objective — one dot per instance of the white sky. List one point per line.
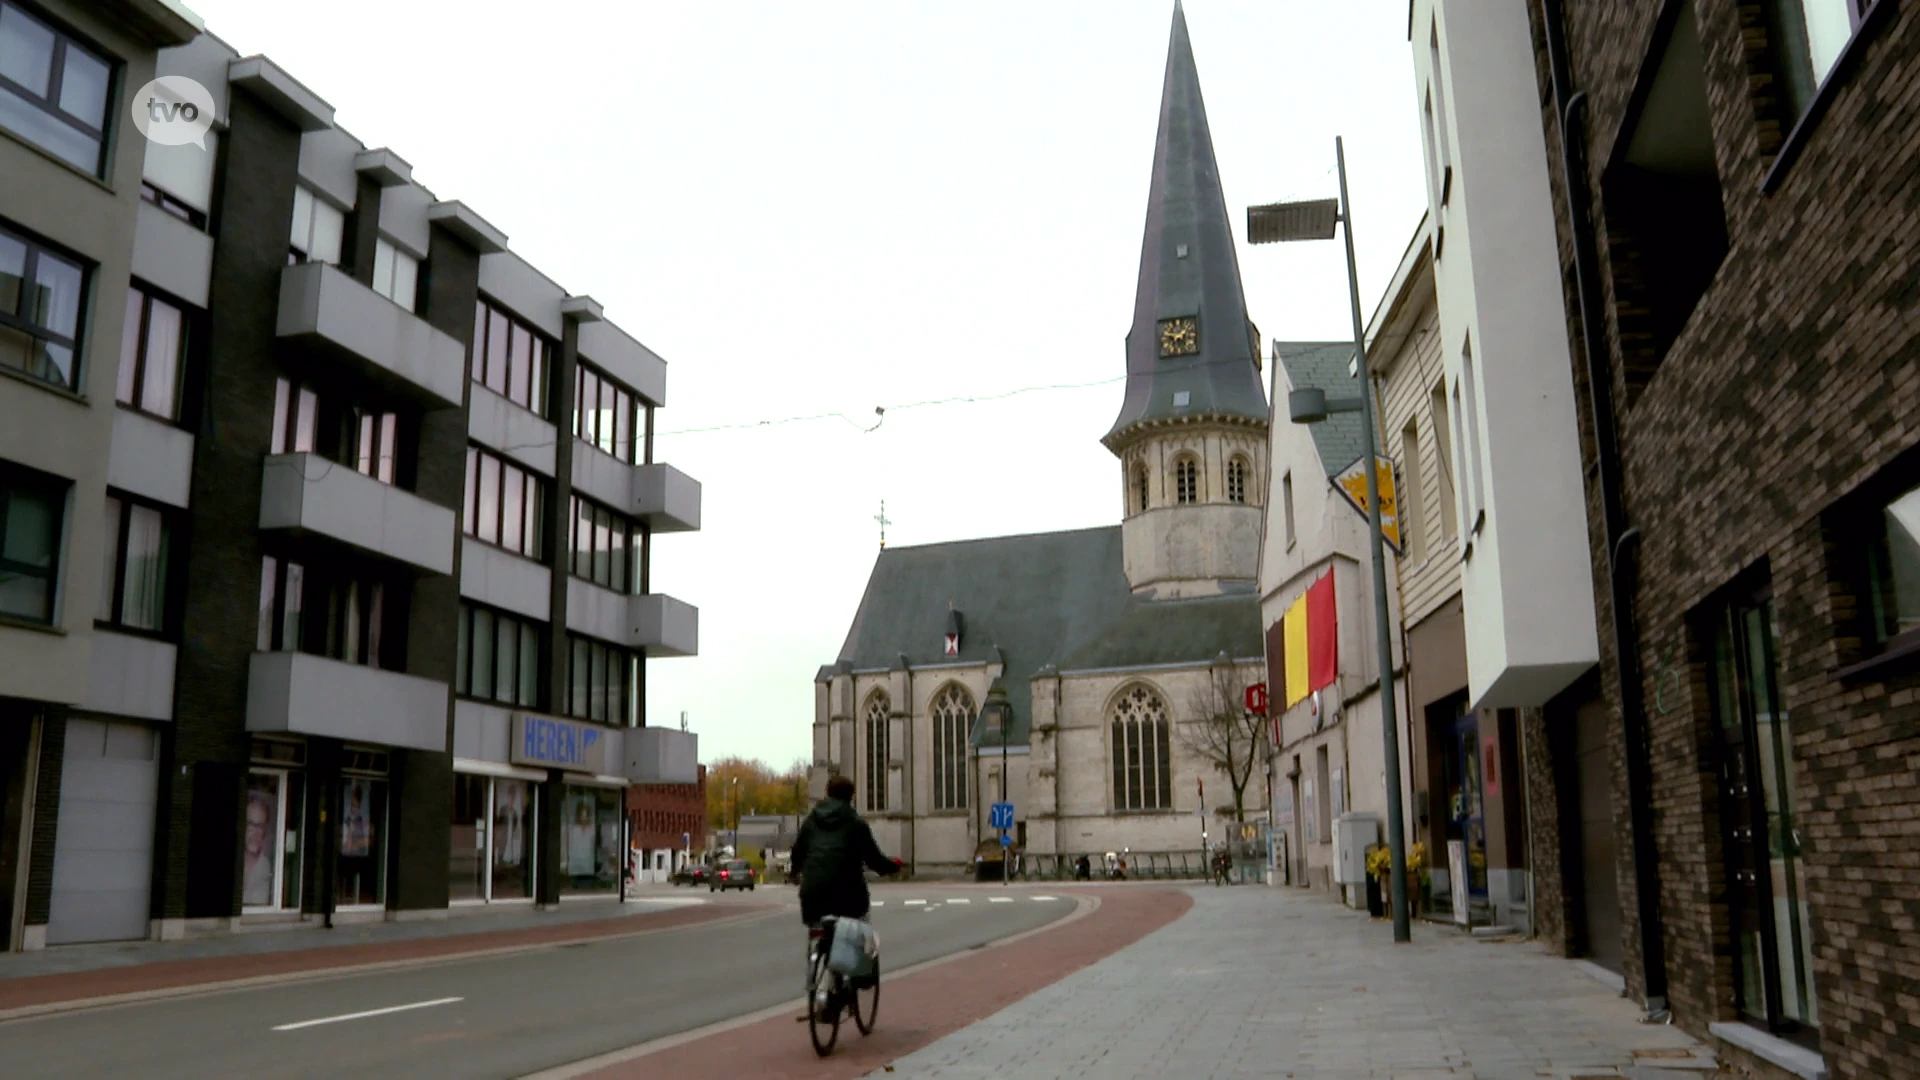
(827, 206)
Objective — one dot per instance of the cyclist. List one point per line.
(834, 846)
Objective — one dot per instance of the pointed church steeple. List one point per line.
(1190, 352)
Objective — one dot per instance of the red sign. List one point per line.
(1492, 773)
(1257, 699)
(953, 644)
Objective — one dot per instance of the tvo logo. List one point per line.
(173, 110)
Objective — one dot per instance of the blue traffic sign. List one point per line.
(1001, 816)
(1006, 840)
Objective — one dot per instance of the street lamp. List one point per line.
(735, 788)
(1315, 220)
(998, 717)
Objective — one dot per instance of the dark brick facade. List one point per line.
(1793, 381)
(660, 813)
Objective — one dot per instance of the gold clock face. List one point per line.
(1179, 337)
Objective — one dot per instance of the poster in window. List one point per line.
(580, 834)
(509, 823)
(263, 810)
(356, 820)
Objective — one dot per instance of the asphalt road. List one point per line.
(515, 1014)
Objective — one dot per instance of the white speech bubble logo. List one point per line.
(173, 110)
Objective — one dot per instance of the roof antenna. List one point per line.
(882, 518)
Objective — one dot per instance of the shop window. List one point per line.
(360, 871)
(1770, 920)
(591, 839)
(493, 841)
(1665, 214)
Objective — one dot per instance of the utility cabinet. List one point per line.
(1353, 834)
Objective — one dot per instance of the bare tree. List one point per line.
(1223, 733)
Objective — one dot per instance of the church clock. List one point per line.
(1179, 337)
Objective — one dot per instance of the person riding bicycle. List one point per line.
(834, 846)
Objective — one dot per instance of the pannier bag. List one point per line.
(855, 949)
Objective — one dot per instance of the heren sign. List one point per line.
(557, 744)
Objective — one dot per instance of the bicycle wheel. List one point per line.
(866, 1001)
(823, 1005)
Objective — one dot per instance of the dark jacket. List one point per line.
(834, 846)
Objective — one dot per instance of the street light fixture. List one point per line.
(998, 715)
(1315, 220)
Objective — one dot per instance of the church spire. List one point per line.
(1190, 351)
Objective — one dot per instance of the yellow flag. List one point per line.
(1294, 634)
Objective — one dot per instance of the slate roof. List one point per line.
(1173, 632)
(1186, 209)
(1323, 365)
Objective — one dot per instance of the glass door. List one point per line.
(361, 875)
(1770, 920)
(1466, 803)
(270, 866)
(467, 857)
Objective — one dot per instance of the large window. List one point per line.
(494, 839)
(1142, 752)
(329, 610)
(31, 507)
(1770, 919)
(1443, 462)
(395, 274)
(605, 413)
(509, 358)
(952, 721)
(605, 546)
(602, 682)
(153, 350)
(360, 871)
(54, 91)
(590, 839)
(133, 579)
(376, 441)
(1807, 38)
(877, 750)
(317, 228)
(506, 504)
(41, 293)
(498, 657)
(296, 418)
(1893, 559)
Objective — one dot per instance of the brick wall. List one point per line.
(1793, 381)
(662, 812)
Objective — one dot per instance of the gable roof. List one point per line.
(1323, 365)
(1150, 632)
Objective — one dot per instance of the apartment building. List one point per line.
(70, 196)
(375, 603)
(1736, 245)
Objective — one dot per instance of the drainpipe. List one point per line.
(1620, 537)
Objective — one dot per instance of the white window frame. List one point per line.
(318, 227)
(396, 274)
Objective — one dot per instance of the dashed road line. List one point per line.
(999, 899)
(959, 900)
(1046, 898)
(915, 903)
(368, 1013)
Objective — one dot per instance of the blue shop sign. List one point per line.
(558, 744)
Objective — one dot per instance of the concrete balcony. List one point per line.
(667, 499)
(662, 756)
(300, 694)
(343, 322)
(309, 494)
(661, 495)
(130, 675)
(655, 624)
(150, 458)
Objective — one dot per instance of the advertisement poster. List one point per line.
(509, 822)
(356, 820)
(580, 834)
(263, 808)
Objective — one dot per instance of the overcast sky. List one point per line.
(829, 206)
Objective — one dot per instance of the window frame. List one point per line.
(119, 531)
(1857, 532)
(1869, 17)
(623, 572)
(614, 687)
(38, 335)
(952, 711)
(1186, 480)
(524, 630)
(64, 40)
(1142, 481)
(532, 511)
(879, 747)
(160, 199)
(374, 438)
(298, 254)
(294, 399)
(623, 403)
(481, 356)
(142, 341)
(55, 491)
(392, 254)
(1239, 479)
(1140, 751)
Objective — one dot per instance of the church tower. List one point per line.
(1192, 433)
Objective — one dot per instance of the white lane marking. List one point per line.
(999, 899)
(369, 1012)
(1046, 898)
(959, 900)
(879, 903)
(914, 903)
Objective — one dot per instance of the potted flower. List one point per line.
(1380, 868)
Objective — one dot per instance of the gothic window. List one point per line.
(1142, 752)
(1186, 480)
(1140, 486)
(877, 752)
(1237, 480)
(952, 720)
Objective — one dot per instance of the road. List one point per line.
(501, 1016)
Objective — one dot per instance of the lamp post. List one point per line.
(1315, 220)
(735, 788)
(999, 717)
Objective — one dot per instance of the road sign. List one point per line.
(1001, 816)
(1006, 840)
(1257, 699)
(1352, 482)
(686, 839)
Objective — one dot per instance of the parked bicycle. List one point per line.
(830, 995)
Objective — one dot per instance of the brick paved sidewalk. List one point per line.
(88, 973)
(1259, 982)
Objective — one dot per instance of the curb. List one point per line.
(1083, 907)
(322, 974)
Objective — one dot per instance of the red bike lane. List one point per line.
(918, 1008)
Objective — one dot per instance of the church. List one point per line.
(1074, 674)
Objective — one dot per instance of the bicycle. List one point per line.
(829, 992)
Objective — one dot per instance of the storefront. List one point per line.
(360, 868)
(276, 818)
(279, 865)
(496, 833)
(591, 830)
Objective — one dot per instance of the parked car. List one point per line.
(695, 874)
(733, 874)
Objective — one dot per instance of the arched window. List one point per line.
(877, 747)
(1237, 480)
(1186, 480)
(1142, 752)
(1140, 486)
(952, 720)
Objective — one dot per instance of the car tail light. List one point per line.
(723, 873)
